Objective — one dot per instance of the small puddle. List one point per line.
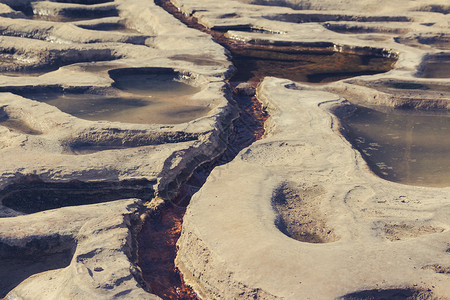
(405, 146)
(437, 66)
(142, 98)
(152, 82)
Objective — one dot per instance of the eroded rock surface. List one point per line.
(94, 97)
(296, 215)
(243, 235)
(232, 242)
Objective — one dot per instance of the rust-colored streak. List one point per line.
(157, 251)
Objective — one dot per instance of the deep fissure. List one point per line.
(312, 63)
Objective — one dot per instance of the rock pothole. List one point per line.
(115, 138)
(16, 124)
(299, 214)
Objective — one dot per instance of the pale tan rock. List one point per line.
(231, 246)
(91, 249)
(97, 238)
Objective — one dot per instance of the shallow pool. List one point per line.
(406, 146)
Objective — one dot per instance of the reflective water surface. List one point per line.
(140, 98)
(437, 66)
(405, 146)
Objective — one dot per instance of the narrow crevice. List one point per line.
(318, 62)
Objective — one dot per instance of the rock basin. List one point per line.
(406, 146)
(139, 96)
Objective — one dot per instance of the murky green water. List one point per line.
(409, 147)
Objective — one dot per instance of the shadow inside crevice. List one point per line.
(390, 294)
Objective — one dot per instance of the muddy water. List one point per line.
(437, 67)
(409, 147)
(123, 108)
(140, 99)
(291, 63)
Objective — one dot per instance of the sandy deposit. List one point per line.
(296, 215)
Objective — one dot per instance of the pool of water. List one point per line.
(123, 108)
(291, 63)
(405, 146)
(139, 99)
(437, 67)
(157, 83)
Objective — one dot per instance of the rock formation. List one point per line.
(106, 101)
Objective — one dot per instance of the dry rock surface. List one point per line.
(296, 215)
